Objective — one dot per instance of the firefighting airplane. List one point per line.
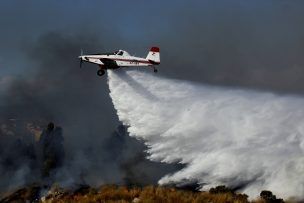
(120, 59)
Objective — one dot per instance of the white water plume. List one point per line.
(224, 136)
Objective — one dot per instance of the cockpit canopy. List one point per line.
(121, 53)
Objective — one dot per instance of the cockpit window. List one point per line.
(120, 53)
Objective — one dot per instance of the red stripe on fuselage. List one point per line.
(129, 60)
(149, 62)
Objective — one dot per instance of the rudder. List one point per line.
(154, 55)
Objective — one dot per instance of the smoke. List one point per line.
(241, 138)
(54, 88)
(41, 82)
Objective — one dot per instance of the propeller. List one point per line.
(80, 57)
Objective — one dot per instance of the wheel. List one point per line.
(100, 72)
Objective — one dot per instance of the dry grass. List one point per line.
(149, 194)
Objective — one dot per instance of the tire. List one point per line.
(101, 72)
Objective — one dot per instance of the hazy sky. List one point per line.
(252, 44)
(132, 22)
(257, 44)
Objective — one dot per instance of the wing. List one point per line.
(110, 63)
(92, 59)
(99, 60)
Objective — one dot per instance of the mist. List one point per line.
(241, 138)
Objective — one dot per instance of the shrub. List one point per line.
(268, 197)
(220, 189)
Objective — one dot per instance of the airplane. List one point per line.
(121, 58)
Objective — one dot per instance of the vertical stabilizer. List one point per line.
(154, 55)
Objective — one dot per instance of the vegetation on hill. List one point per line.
(122, 194)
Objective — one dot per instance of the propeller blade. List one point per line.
(80, 62)
(81, 53)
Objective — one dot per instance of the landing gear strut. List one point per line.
(101, 72)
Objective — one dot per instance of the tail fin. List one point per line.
(153, 55)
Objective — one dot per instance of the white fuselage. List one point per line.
(115, 60)
(121, 59)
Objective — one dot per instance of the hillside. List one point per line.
(112, 193)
